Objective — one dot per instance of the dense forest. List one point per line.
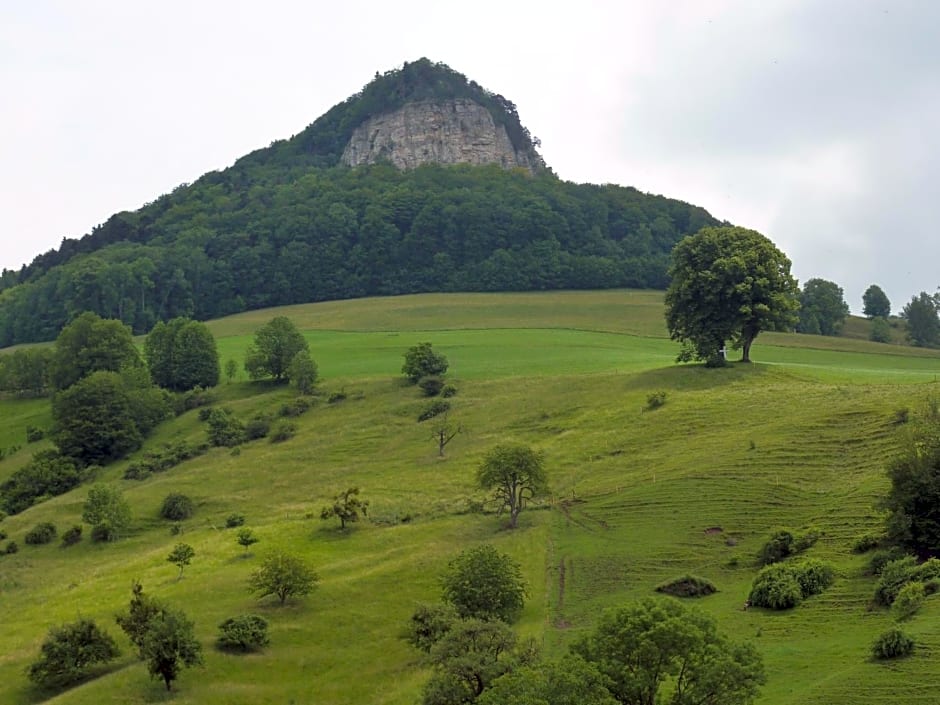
(287, 224)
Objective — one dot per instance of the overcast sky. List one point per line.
(814, 122)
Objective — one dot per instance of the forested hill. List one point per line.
(288, 224)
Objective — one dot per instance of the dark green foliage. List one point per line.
(728, 285)
(171, 455)
(483, 583)
(25, 372)
(880, 558)
(893, 643)
(641, 648)
(866, 543)
(283, 431)
(72, 535)
(515, 474)
(428, 624)
(822, 308)
(923, 322)
(48, 474)
(104, 532)
(687, 586)
(422, 361)
(875, 303)
(282, 575)
(303, 372)
(814, 576)
(655, 400)
(346, 507)
(181, 556)
(234, 519)
(195, 398)
(432, 385)
(34, 434)
(435, 408)
(448, 391)
(913, 501)
(783, 543)
(3, 535)
(42, 533)
(568, 681)
(176, 507)
(182, 354)
(295, 407)
(781, 586)
(231, 369)
(11, 548)
(105, 416)
(257, 427)
(91, 344)
(140, 613)
(68, 652)
(880, 331)
(276, 345)
(169, 644)
(909, 599)
(224, 429)
(246, 632)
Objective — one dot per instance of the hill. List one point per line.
(293, 223)
(799, 438)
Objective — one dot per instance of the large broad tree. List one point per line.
(923, 323)
(515, 473)
(643, 647)
(913, 502)
(182, 354)
(276, 344)
(875, 303)
(822, 308)
(483, 583)
(169, 644)
(69, 651)
(728, 284)
(91, 344)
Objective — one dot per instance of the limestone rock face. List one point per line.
(457, 131)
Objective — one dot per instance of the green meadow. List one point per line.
(799, 438)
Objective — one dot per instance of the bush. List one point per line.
(880, 331)
(655, 400)
(40, 534)
(234, 519)
(193, 399)
(777, 548)
(285, 430)
(3, 535)
(449, 391)
(295, 407)
(103, 532)
(431, 385)
(901, 416)
(224, 429)
(806, 540)
(72, 536)
(880, 558)
(483, 583)
(687, 586)
(68, 651)
(814, 576)
(893, 643)
(11, 548)
(910, 598)
(866, 543)
(776, 587)
(422, 361)
(429, 624)
(258, 427)
(34, 434)
(204, 413)
(336, 397)
(176, 507)
(433, 409)
(246, 632)
(893, 577)
(170, 456)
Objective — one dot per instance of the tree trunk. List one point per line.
(746, 350)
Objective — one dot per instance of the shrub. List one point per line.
(776, 587)
(893, 577)
(655, 400)
(11, 548)
(866, 543)
(814, 576)
(428, 624)
(170, 456)
(806, 540)
(687, 586)
(336, 397)
(3, 535)
(224, 429)
(880, 558)
(234, 519)
(433, 409)
(449, 391)
(483, 583)
(928, 570)
(422, 361)
(245, 632)
(193, 399)
(901, 416)
(910, 598)
(285, 430)
(295, 407)
(893, 643)
(34, 434)
(880, 331)
(103, 532)
(777, 548)
(431, 385)
(258, 427)
(68, 651)
(40, 534)
(176, 507)
(72, 536)
(204, 413)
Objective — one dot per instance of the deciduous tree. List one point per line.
(875, 303)
(182, 354)
(181, 556)
(91, 344)
(728, 284)
(276, 344)
(169, 645)
(822, 308)
(347, 507)
(282, 575)
(483, 583)
(106, 507)
(923, 323)
(68, 651)
(515, 473)
(422, 361)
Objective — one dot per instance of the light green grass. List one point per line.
(799, 438)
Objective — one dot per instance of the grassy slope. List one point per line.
(801, 441)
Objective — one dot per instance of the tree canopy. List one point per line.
(483, 583)
(282, 575)
(515, 473)
(182, 354)
(728, 285)
(875, 303)
(69, 650)
(275, 347)
(822, 308)
(913, 501)
(91, 344)
(923, 322)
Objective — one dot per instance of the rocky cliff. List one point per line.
(456, 131)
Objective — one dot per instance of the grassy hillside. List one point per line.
(799, 438)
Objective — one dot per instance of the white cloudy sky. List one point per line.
(815, 122)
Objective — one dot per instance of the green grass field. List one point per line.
(799, 438)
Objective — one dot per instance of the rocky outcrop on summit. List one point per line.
(457, 131)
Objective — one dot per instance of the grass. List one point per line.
(638, 497)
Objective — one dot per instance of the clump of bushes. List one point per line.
(781, 586)
(866, 543)
(283, 431)
(687, 586)
(898, 573)
(34, 434)
(3, 535)
(11, 548)
(170, 456)
(193, 399)
(258, 427)
(435, 408)
(224, 429)
(431, 385)
(295, 407)
(42, 533)
(234, 519)
(910, 598)
(336, 397)
(880, 558)
(449, 391)
(893, 643)
(176, 507)
(104, 532)
(655, 400)
(784, 543)
(246, 632)
(72, 536)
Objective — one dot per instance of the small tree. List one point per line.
(169, 644)
(282, 575)
(444, 432)
(515, 473)
(875, 302)
(231, 369)
(483, 583)
(346, 507)
(141, 611)
(246, 538)
(923, 321)
(276, 344)
(68, 651)
(106, 507)
(247, 632)
(223, 428)
(302, 372)
(422, 361)
(176, 507)
(181, 556)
